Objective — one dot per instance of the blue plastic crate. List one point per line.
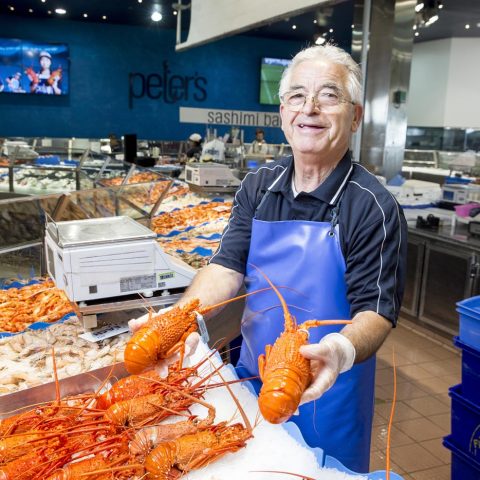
(470, 371)
(463, 466)
(465, 423)
(469, 310)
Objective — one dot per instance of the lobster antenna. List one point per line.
(230, 300)
(286, 313)
(392, 411)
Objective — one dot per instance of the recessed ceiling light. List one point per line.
(30, 10)
(11, 8)
(43, 1)
(156, 16)
(320, 41)
(478, 24)
(467, 26)
(419, 7)
(417, 34)
(60, 11)
(85, 15)
(175, 12)
(353, 26)
(140, 1)
(49, 12)
(440, 6)
(414, 27)
(104, 17)
(315, 21)
(331, 30)
(294, 27)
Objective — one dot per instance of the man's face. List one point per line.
(314, 129)
(259, 136)
(45, 62)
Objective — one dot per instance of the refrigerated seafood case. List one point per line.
(110, 257)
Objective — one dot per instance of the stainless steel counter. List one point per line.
(443, 268)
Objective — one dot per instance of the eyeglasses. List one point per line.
(325, 99)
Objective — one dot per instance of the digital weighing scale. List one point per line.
(110, 257)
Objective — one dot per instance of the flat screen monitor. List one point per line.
(270, 74)
(33, 67)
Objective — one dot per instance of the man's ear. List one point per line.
(357, 117)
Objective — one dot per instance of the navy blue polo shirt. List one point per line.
(373, 230)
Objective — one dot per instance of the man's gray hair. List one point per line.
(333, 54)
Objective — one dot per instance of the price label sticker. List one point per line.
(107, 331)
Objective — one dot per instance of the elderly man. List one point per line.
(323, 226)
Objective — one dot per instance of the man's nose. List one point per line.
(310, 104)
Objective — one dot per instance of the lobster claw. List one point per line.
(202, 327)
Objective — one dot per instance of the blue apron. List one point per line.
(306, 257)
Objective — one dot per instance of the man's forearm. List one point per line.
(213, 284)
(367, 333)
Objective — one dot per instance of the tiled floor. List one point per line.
(427, 365)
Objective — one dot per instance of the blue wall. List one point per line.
(101, 59)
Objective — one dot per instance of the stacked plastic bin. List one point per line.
(464, 441)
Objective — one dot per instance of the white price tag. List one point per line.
(107, 331)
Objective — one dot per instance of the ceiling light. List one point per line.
(175, 12)
(315, 21)
(156, 16)
(320, 41)
(419, 6)
(353, 26)
(139, 1)
(440, 6)
(85, 15)
(30, 10)
(467, 26)
(60, 11)
(104, 17)
(431, 20)
(414, 27)
(417, 34)
(49, 12)
(478, 25)
(43, 1)
(331, 30)
(294, 27)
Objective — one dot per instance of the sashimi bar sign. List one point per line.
(166, 86)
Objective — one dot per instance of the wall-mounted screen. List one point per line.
(270, 74)
(33, 68)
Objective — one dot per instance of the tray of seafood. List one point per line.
(177, 221)
(26, 360)
(35, 304)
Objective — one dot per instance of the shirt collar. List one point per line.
(329, 191)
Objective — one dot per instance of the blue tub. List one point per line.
(463, 466)
(469, 310)
(470, 371)
(465, 423)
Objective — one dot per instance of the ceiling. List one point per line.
(453, 17)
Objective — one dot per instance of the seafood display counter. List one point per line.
(221, 436)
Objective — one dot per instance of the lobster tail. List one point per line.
(141, 352)
(280, 397)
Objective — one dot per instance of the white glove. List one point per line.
(330, 357)
(135, 323)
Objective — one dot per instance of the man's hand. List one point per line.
(334, 354)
